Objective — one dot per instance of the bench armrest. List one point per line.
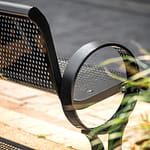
(70, 105)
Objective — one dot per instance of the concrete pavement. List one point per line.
(33, 113)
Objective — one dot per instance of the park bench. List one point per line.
(28, 57)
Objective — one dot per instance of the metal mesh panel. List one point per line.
(6, 144)
(92, 79)
(23, 57)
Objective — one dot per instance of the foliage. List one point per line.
(144, 142)
(115, 126)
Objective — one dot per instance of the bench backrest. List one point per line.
(27, 53)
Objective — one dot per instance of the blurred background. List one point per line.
(77, 22)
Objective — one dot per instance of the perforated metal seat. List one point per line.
(27, 56)
(24, 57)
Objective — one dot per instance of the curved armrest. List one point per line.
(70, 105)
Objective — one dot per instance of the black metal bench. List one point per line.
(28, 57)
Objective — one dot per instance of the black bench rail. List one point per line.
(28, 57)
(6, 144)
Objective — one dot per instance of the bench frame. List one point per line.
(65, 85)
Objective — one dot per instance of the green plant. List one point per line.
(144, 142)
(115, 126)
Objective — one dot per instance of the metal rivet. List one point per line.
(123, 89)
(90, 91)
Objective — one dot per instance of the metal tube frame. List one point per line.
(67, 92)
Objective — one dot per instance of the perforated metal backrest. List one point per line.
(27, 53)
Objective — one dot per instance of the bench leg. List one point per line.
(114, 127)
(95, 142)
(115, 139)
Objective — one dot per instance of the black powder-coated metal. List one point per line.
(6, 144)
(70, 74)
(28, 56)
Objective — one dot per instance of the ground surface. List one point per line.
(35, 119)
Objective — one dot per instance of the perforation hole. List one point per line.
(23, 53)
